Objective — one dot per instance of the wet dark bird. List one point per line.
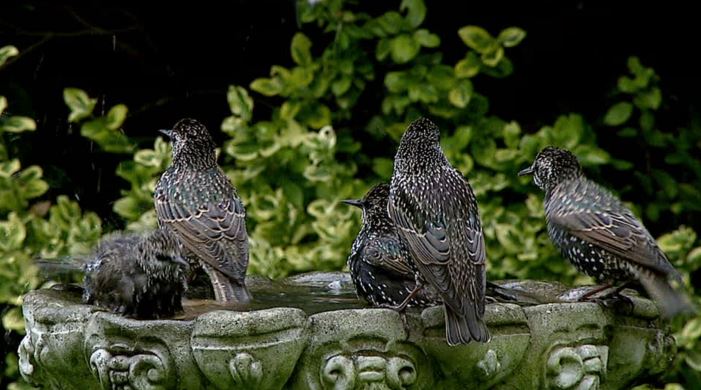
(599, 235)
(197, 202)
(379, 261)
(436, 214)
(141, 276)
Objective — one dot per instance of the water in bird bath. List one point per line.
(314, 293)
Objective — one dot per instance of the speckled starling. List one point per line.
(436, 213)
(379, 261)
(598, 234)
(142, 276)
(198, 203)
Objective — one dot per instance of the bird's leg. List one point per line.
(593, 292)
(616, 296)
(408, 299)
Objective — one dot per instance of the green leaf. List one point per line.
(6, 52)
(18, 124)
(3, 104)
(618, 114)
(267, 87)
(9, 168)
(649, 99)
(12, 233)
(666, 182)
(461, 94)
(13, 320)
(396, 82)
(341, 86)
(382, 167)
(391, 22)
(128, 208)
(591, 155)
(403, 48)
(113, 141)
(426, 39)
(79, 102)
(301, 49)
(468, 67)
(493, 56)
(510, 37)
(512, 132)
(476, 38)
(416, 12)
(384, 46)
(115, 117)
(240, 103)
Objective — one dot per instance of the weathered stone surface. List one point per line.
(326, 342)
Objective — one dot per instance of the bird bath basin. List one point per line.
(310, 332)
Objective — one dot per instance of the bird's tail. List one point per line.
(671, 301)
(63, 269)
(461, 329)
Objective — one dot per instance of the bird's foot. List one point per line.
(617, 301)
(590, 295)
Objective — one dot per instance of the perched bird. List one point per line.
(379, 261)
(197, 202)
(436, 214)
(136, 275)
(598, 234)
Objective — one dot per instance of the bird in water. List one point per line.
(141, 276)
(436, 214)
(196, 201)
(379, 261)
(599, 235)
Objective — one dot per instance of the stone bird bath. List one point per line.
(309, 332)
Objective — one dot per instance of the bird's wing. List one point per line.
(596, 216)
(386, 253)
(426, 237)
(209, 231)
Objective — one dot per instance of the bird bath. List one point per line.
(310, 332)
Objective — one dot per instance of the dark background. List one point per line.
(170, 60)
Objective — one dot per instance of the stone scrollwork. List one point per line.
(368, 371)
(246, 371)
(581, 368)
(26, 359)
(489, 366)
(118, 367)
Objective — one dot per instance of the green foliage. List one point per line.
(31, 228)
(104, 130)
(136, 205)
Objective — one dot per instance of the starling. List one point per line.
(379, 261)
(135, 275)
(598, 234)
(197, 202)
(436, 213)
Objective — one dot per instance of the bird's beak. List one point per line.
(527, 171)
(354, 202)
(166, 132)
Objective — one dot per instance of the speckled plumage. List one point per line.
(197, 202)
(142, 276)
(436, 213)
(379, 262)
(598, 234)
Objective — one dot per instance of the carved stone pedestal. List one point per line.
(555, 345)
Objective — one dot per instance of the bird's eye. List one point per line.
(162, 257)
